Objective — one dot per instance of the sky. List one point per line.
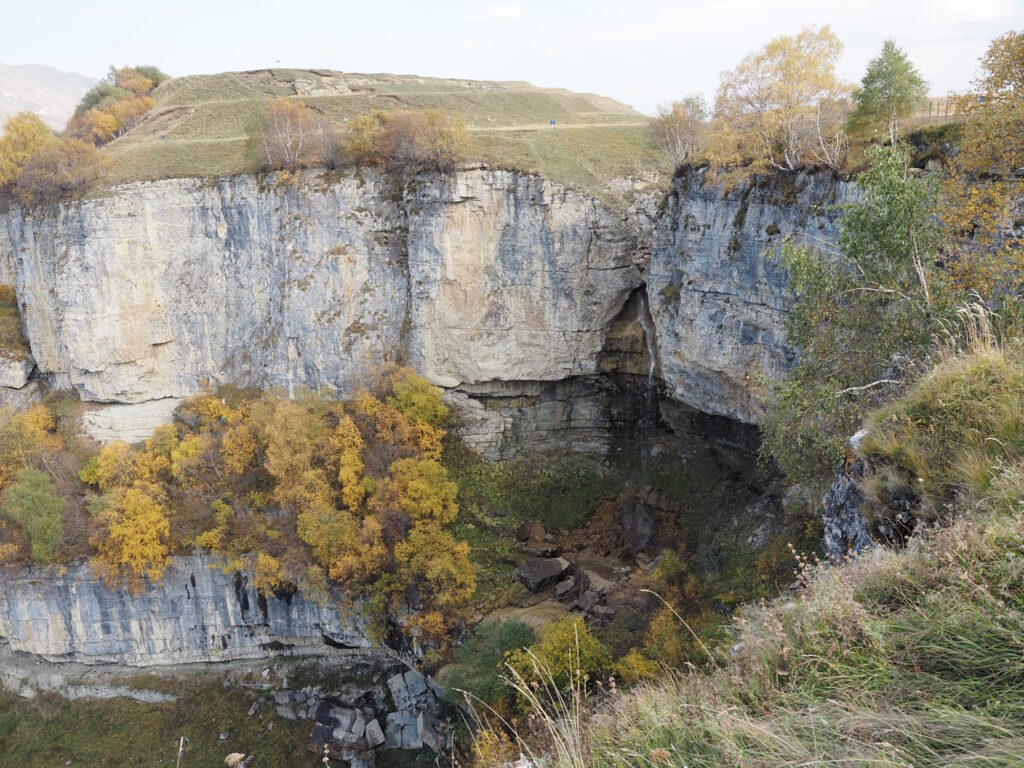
(642, 52)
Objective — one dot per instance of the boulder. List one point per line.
(523, 531)
(15, 370)
(846, 528)
(430, 731)
(602, 612)
(597, 582)
(347, 720)
(564, 587)
(588, 600)
(21, 399)
(373, 734)
(411, 690)
(540, 573)
(401, 731)
(541, 549)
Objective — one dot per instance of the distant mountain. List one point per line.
(41, 89)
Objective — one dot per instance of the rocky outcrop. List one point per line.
(718, 296)
(197, 612)
(842, 514)
(15, 370)
(157, 290)
(513, 278)
(507, 288)
(17, 390)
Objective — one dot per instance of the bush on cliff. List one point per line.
(865, 312)
(62, 169)
(404, 141)
(24, 134)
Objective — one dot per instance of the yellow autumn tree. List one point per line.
(287, 135)
(27, 439)
(132, 543)
(421, 490)
(114, 466)
(62, 168)
(268, 573)
(363, 556)
(416, 398)
(782, 104)
(238, 448)
(24, 135)
(348, 443)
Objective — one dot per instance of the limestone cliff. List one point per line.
(503, 286)
(6, 254)
(718, 296)
(196, 613)
(160, 289)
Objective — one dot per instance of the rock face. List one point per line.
(131, 422)
(513, 278)
(197, 613)
(6, 254)
(15, 370)
(846, 528)
(717, 294)
(533, 303)
(160, 289)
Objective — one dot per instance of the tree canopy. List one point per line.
(679, 129)
(891, 89)
(24, 135)
(777, 108)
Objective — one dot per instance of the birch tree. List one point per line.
(773, 102)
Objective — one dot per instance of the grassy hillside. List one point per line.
(203, 125)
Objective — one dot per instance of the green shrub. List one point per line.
(480, 661)
(418, 400)
(32, 502)
(565, 650)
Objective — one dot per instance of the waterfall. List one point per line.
(645, 323)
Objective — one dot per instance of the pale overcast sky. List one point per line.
(640, 51)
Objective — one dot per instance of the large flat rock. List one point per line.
(539, 573)
(131, 422)
(15, 370)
